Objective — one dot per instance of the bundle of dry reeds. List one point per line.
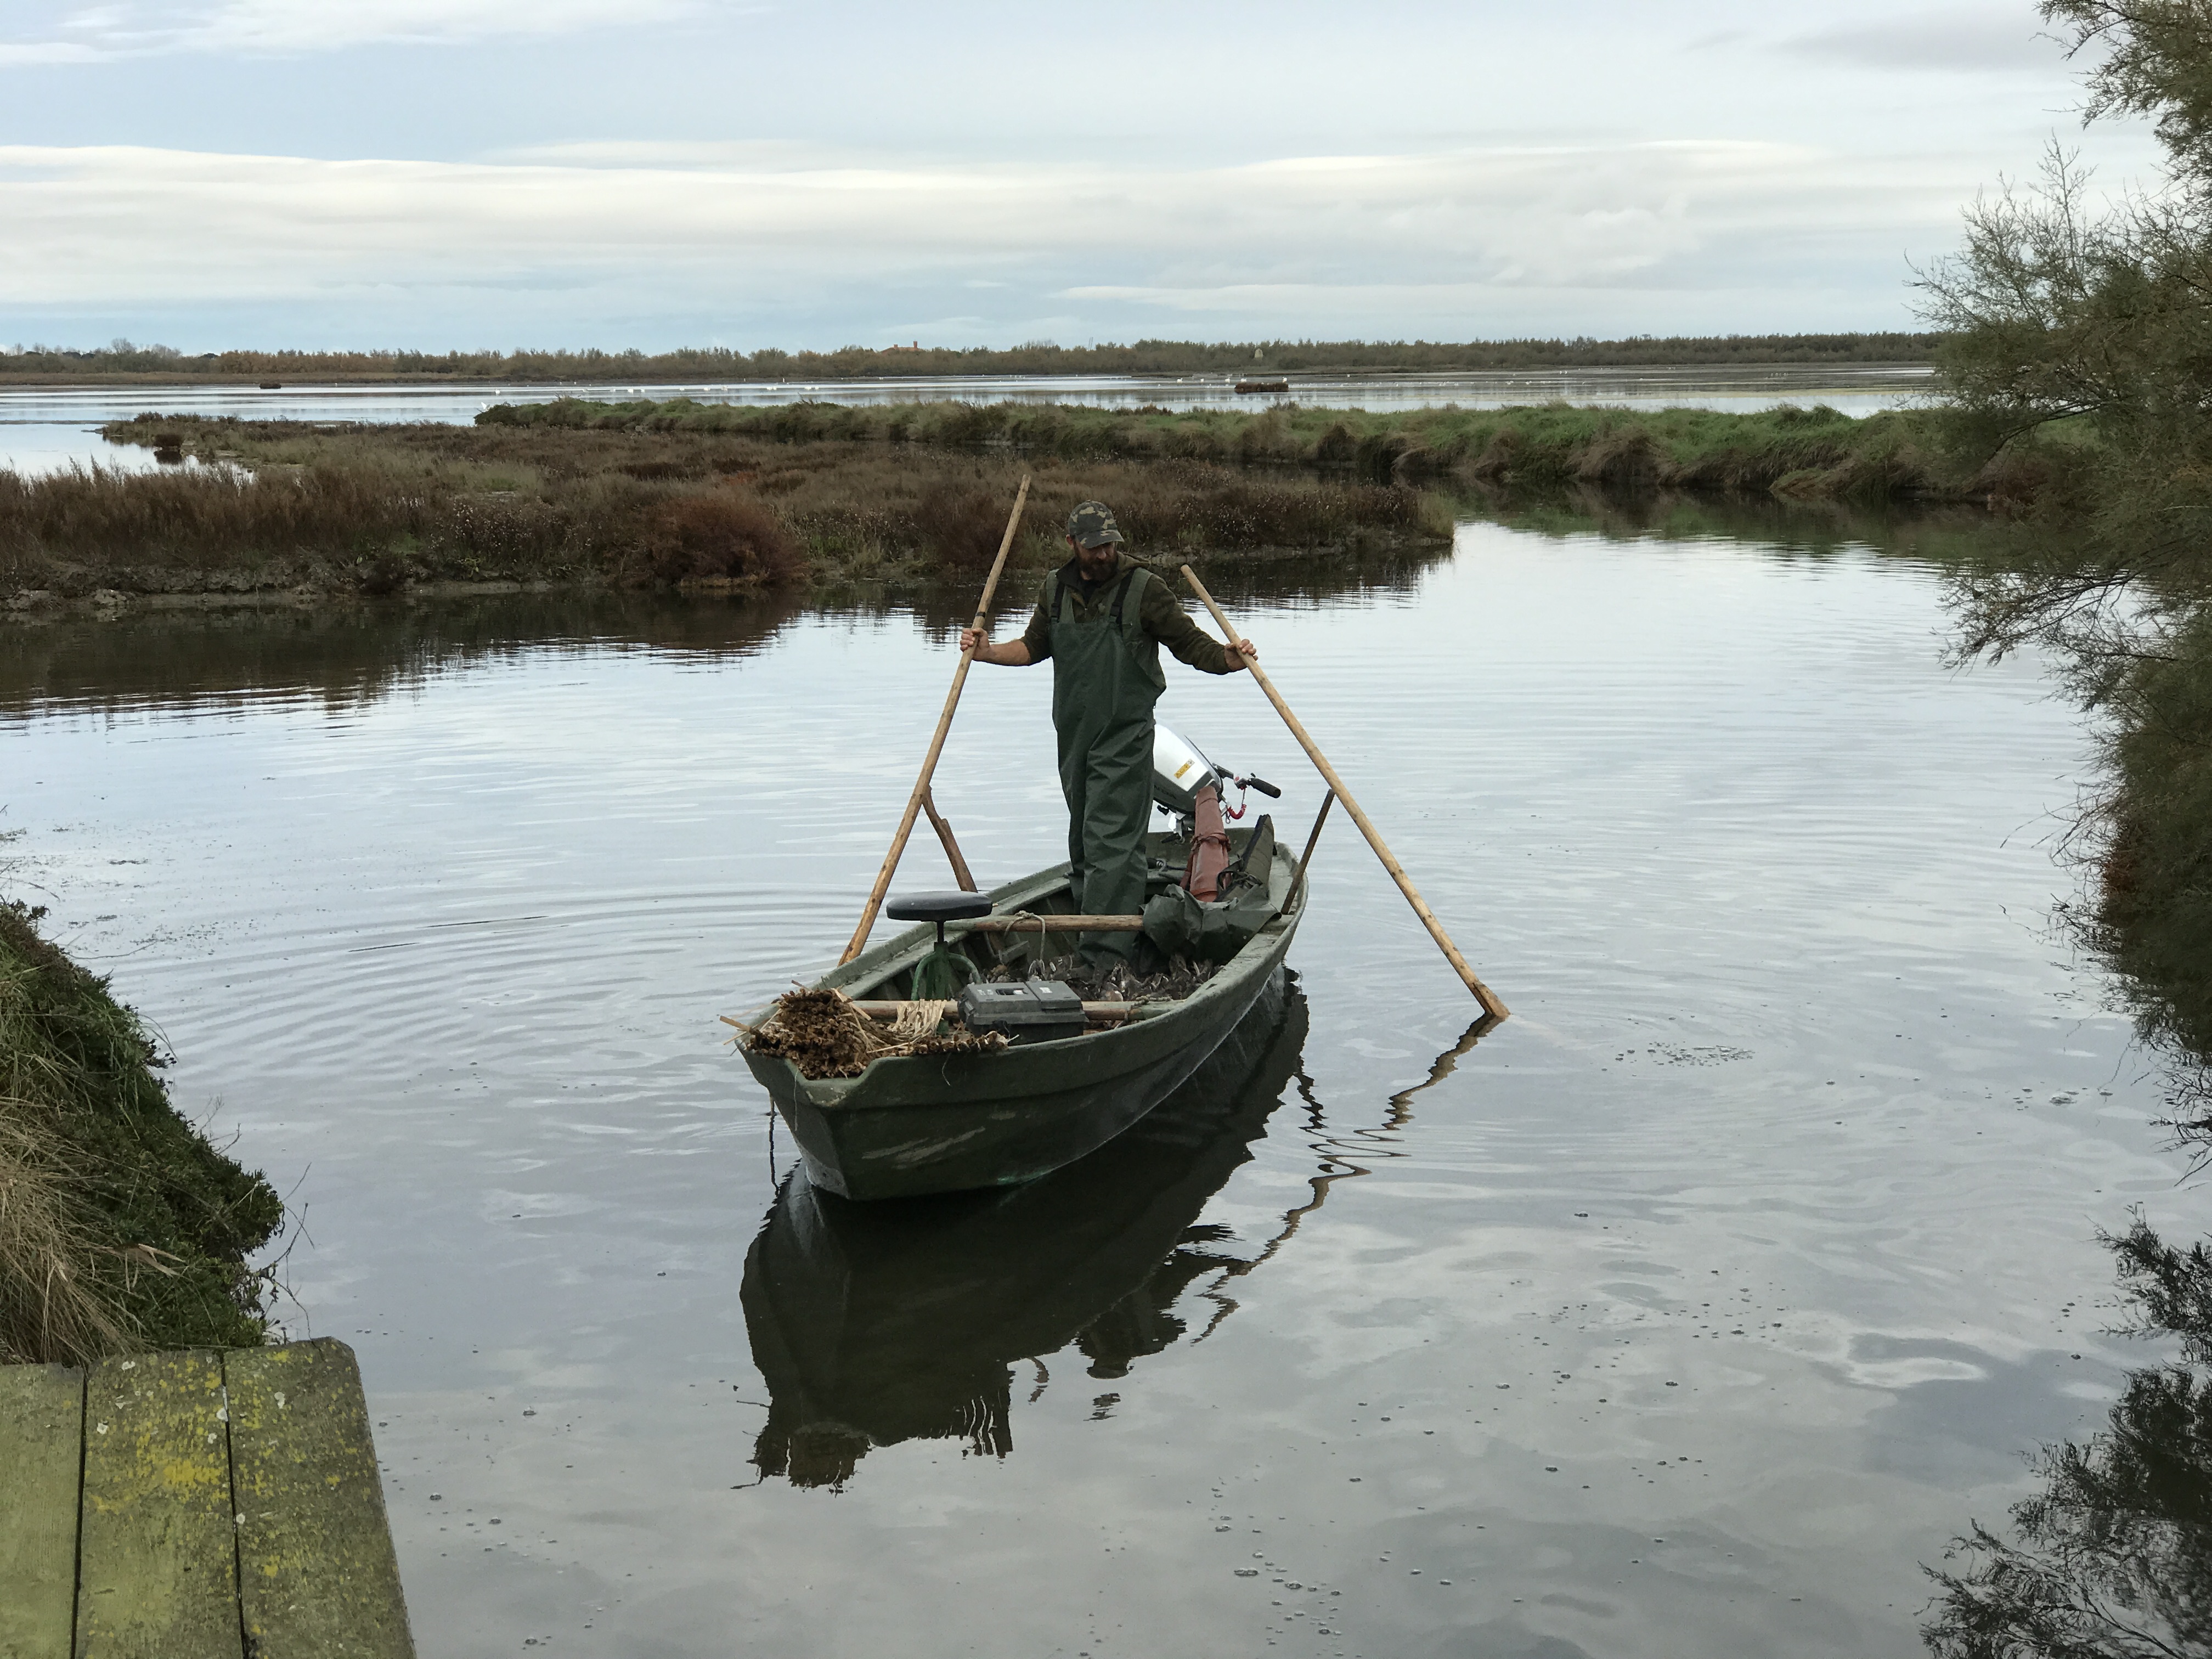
(823, 1035)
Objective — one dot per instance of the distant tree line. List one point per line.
(705, 365)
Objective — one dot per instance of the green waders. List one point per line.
(1105, 678)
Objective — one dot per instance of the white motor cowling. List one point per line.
(1179, 772)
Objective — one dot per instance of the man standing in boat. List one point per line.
(1102, 619)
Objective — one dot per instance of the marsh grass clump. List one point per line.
(282, 505)
(641, 496)
(719, 536)
(120, 1225)
(961, 522)
(51, 1309)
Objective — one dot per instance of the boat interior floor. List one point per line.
(1148, 974)
(1121, 982)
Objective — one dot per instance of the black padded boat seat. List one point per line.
(939, 908)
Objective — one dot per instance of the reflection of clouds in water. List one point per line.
(1895, 1362)
(36, 447)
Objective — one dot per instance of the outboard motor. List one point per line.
(1186, 783)
(1179, 772)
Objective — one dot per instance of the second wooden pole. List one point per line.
(1483, 993)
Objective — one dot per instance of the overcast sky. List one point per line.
(655, 173)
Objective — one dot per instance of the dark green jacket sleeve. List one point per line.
(1038, 635)
(1166, 620)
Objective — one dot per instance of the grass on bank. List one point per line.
(120, 1226)
(378, 508)
(1813, 453)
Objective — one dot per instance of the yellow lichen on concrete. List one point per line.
(157, 1576)
(217, 1515)
(319, 1573)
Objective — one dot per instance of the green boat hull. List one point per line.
(941, 1123)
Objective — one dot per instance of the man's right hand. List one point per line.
(1014, 653)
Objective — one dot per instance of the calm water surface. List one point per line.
(1688, 1313)
(43, 430)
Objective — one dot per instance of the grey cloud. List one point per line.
(2003, 39)
(290, 27)
(1349, 243)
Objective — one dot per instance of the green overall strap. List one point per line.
(1143, 650)
(1120, 598)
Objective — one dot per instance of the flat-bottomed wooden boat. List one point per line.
(947, 1122)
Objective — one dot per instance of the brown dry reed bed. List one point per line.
(120, 1226)
(274, 505)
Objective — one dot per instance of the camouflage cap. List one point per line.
(1091, 524)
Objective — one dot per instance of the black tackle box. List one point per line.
(1027, 1010)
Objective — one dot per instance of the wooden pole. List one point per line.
(1298, 881)
(937, 742)
(952, 847)
(1483, 993)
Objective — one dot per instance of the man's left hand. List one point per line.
(1245, 650)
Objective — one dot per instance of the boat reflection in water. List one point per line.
(878, 1322)
(874, 1323)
